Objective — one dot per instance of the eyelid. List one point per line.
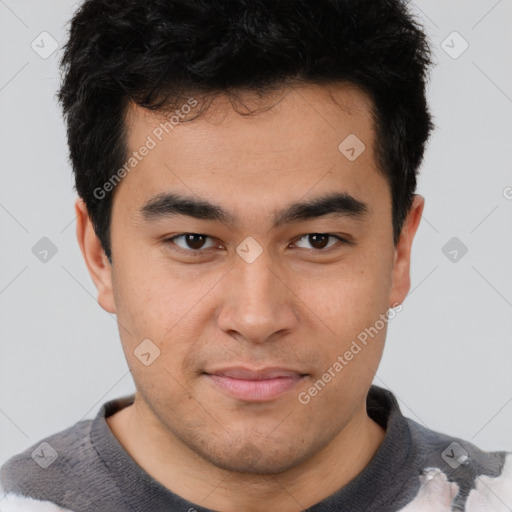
(342, 241)
(188, 251)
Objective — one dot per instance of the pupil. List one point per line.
(314, 240)
(193, 243)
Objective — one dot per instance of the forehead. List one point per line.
(319, 107)
(293, 143)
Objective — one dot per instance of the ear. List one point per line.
(97, 262)
(401, 269)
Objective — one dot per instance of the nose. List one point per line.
(258, 303)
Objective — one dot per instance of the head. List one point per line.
(285, 138)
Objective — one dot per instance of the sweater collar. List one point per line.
(377, 485)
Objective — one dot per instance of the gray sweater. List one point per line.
(85, 469)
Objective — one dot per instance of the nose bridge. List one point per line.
(257, 280)
(257, 303)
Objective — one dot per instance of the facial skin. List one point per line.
(294, 306)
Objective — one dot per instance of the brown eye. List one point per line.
(318, 241)
(194, 241)
(191, 242)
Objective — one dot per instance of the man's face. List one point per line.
(255, 294)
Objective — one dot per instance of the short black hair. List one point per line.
(157, 53)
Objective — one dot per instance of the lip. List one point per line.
(255, 385)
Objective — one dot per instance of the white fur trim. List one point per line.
(16, 503)
(492, 494)
(435, 495)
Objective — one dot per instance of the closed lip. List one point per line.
(267, 373)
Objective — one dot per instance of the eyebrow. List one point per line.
(167, 205)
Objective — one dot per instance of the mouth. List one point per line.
(255, 385)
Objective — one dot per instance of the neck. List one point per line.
(185, 473)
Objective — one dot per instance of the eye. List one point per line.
(320, 241)
(191, 242)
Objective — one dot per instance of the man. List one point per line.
(246, 175)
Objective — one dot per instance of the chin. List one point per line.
(257, 458)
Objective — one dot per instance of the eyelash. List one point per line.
(197, 252)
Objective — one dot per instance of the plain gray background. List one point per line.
(449, 352)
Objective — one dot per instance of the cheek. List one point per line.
(349, 296)
(153, 317)
(350, 306)
(163, 304)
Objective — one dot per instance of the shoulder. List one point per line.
(455, 474)
(42, 477)
(69, 470)
(13, 502)
(54, 454)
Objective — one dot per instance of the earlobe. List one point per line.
(401, 269)
(97, 262)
